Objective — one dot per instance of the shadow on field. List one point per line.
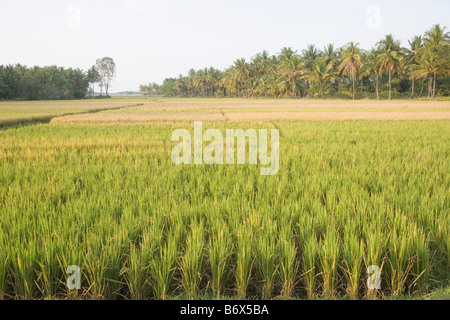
(17, 123)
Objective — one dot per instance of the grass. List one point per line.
(220, 249)
(18, 113)
(240, 110)
(288, 262)
(106, 197)
(192, 262)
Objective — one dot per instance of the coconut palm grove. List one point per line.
(388, 70)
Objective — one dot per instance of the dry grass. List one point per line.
(339, 116)
(137, 117)
(261, 110)
(19, 112)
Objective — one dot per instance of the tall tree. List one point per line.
(286, 53)
(241, 73)
(107, 69)
(427, 68)
(437, 42)
(351, 63)
(309, 55)
(372, 69)
(93, 76)
(264, 63)
(331, 56)
(321, 73)
(390, 57)
(291, 68)
(413, 57)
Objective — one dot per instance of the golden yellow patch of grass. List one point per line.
(338, 116)
(268, 110)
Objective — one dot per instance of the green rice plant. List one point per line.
(163, 264)
(288, 262)
(328, 258)
(48, 270)
(220, 252)
(310, 257)
(106, 197)
(244, 260)
(23, 265)
(95, 265)
(4, 265)
(421, 264)
(403, 254)
(448, 250)
(66, 258)
(353, 254)
(375, 241)
(266, 257)
(399, 262)
(116, 251)
(192, 262)
(137, 273)
(446, 242)
(442, 230)
(103, 265)
(141, 252)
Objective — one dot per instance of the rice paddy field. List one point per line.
(18, 113)
(360, 183)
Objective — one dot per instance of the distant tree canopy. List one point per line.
(41, 83)
(153, 89)
(19, 82)
(387, 70)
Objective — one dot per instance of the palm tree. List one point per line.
(415, 45)
(321, 73)
(214, 80)
(437, 36)
(228, 81)
(330, 55)
(390, 57)
(309, 56)
(242, 73)
(263, 63)
(201, 80)
(427, 67)
(284, 87)
(191, 82)
(286, 53)
(252, 87)
(351, 62)
(181, 85)
(371, 67)
(268, 85)
(438, 43)
(291, 68)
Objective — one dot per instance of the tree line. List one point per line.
(387, 70)
(18, 82)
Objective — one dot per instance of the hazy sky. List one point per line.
(154, 39)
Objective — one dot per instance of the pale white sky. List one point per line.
(154, 39)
